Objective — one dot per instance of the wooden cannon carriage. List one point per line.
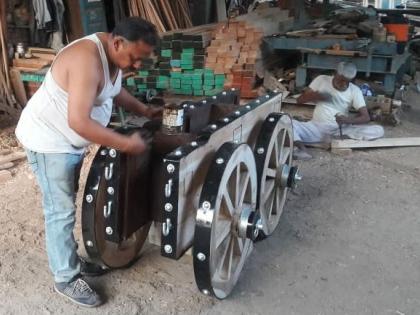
(216, 187)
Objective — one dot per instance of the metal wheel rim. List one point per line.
(98, 248)
(227, 251)
(272, 194)
(116, 255)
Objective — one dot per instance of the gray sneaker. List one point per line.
(79, 292)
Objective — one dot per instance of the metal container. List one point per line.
(173, 119)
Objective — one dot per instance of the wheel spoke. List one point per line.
(271, 173)
(237, 184)
(229, 205)
(270, 204)
(269, 186)
(244, 187)
(223, 230)
(221, 261)
(285, 154)
(276, 152)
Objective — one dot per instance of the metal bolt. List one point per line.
(168, 207)
(104, 152)
(168, 249)
(170, 168)
(185, 105)
(258, 101)
(112, 153)
(89, 243)
(206, 205)
(220, 161)
(89, 198)
(260, 150)
(204, 102)
(233, 89)
(192, 106)
(201, 257)
(226, 120)
(178, 152)
(194, 144)
(110, 190)
(271, 119)
(237, 112)
(109, 230)
(214, 97)
(206, 292)
(213, 127)
(248, 107)
(276, 91)
(224, 93)
(267, 96)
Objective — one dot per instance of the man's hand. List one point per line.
(341, 119)
(154, 112)
(135, 144)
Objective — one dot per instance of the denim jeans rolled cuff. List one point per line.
(57, 175)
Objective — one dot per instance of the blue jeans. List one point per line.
(58, 176)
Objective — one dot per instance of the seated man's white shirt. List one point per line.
(340, 103)
(323, 124)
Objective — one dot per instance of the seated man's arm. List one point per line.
(82, 90)
(362, 117)
(359, 104)
(312, 93)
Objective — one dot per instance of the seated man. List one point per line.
(334, 95)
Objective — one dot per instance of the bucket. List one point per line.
(399, 30)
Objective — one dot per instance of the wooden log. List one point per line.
(378, 143)
(6, 166)
(12, 157)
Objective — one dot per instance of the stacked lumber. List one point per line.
(234, 52)
(180, 68)
(166, 15)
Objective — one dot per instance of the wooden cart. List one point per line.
(217, 187)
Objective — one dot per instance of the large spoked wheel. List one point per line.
(226, 220)
(274, 157)
(102, 193)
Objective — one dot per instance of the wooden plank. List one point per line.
(18, 87)
(379, 143)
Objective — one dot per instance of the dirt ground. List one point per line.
(347, 243)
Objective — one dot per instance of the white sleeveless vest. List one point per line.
(43, 126)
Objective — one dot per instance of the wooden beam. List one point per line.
(379, 143)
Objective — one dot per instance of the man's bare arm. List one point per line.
(82, 90)
(310, 95)
(130, 103)
(361, 118)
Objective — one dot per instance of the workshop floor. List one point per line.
(347, 243)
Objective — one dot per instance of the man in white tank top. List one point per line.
(69, 111)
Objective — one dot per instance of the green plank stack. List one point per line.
(180, 68)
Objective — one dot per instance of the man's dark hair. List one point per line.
(135, 28)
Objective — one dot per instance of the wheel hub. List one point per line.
(249, 224)
(287, 176)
